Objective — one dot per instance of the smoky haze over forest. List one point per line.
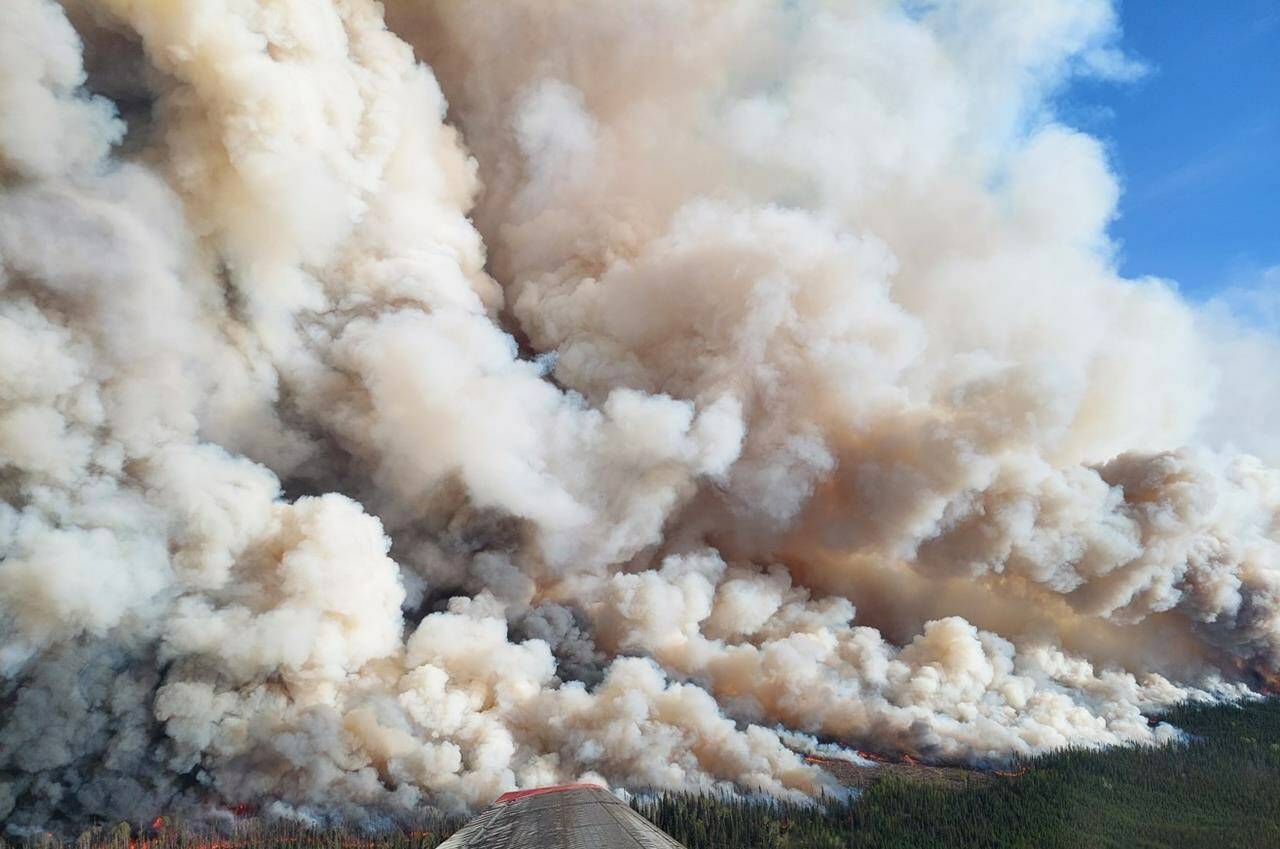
(402, 406)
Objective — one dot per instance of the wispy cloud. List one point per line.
(1239, 151)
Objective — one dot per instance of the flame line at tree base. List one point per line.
(1218, 787)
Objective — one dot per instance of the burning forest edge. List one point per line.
(1218, 788)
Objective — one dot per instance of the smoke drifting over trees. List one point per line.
(399, 406)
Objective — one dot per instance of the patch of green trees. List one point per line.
(1218, 789)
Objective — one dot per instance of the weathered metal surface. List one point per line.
(573, 817)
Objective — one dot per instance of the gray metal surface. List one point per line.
(572, 818)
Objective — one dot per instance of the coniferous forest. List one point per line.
(1219, 789)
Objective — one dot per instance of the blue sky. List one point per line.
(1196, 141)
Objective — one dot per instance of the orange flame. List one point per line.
(1270, 681)
(869, 756)
(821, 761)
(1259, 677)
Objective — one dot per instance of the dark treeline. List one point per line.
(1219, 790)
(251, 833)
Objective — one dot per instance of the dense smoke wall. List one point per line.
(394, 412)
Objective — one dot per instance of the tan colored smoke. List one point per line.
(779, 387)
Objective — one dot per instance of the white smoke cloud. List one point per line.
(782, 388)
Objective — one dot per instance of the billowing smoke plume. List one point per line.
(397, 411)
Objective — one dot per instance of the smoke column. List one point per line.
(399, 406)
